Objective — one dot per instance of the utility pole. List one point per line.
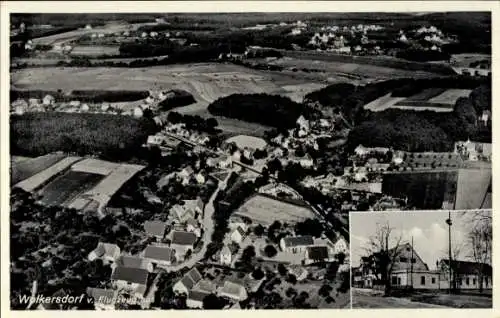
(411, 264)
(448, 221)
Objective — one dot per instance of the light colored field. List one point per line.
(243, 141)
(95, 166)
(95, 50)
(76, 34)
(40, 178)
(264, 210)
(105, 189)
(472, 186)
(28, 167)
(450, 96)
(420, 108)
(18, 159)
(464, 60)
(383, 103)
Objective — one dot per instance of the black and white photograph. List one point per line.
(174, 160)
(408, 259)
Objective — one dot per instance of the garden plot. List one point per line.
(28, 167)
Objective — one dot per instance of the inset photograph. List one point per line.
(421, 259)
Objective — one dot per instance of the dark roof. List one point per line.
(464, 267)
(159, 253)
(156, 228)
(197, 295)
(131, 261)
(240, 230)
(191, 278)
(130, 274)
(183, 238)
(298, 240)
(317, 252)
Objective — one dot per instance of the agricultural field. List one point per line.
(450, 96)
(68, 186)
(433, 99)
(478, 179)
(265, 210)
(39, 179)
(424, 190)
(205, 81)
(243, 141)
(464, 60)
(383, 103)
(94, 50)
(349, 70)
(27, 167)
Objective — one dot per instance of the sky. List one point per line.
(428, 229)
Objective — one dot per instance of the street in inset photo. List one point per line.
(408, 259)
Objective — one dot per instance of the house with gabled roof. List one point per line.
(156, 229)
(131, 280)
(233, 290)
(159, 255)
(104, 299)
(182, 242)
(107, 252)
(296, 244)
(238, 235)
(188, 210)
(466, 274)
(133, 262)
(195, 299)
(226, 254)
(317, 253)
(187, 282)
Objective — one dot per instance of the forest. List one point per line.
(270, 110)
(108, 136)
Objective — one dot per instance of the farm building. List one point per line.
(134, 262)
(155, 229)
(159, 255)
(107, 252)
(132, 280)
(187, 282)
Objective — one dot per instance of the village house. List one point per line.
(195, 299)
(363, 151)
(226, 254)
(130, 280)
(467, 275)
(159, 255)
(104, 299)
(238, 235)
(48, 100)
(222, 162)
(133, 262)
(156, 229)
(193, 226)
(107, 252)
(187, 282)
(189, 210)
(182, 242)
(316, 254)
(233, 290)
(296, 244)
(299, 272)
(200, 178)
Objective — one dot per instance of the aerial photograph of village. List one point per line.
(407, 260)
(240, 160)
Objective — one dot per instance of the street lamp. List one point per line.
(448, 221)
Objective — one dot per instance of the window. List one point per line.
(413, 260)
(422, 280)
(403, 259)
(467, 281)
(433, 280)
(399, 280)
(394, 280)
(473, 281)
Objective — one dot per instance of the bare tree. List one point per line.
(480, 236)
(382, 257)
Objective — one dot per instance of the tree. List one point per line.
(292, 279)
(259, 230)
(309, 227)
(258, 274)
(248, 254)
(213, 302)
(270, 251)
(212, 123)
(282, 269)
(340, 257)
(480, 240)
(325, 290)
(381, 257)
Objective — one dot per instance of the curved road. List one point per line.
(208, 226)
